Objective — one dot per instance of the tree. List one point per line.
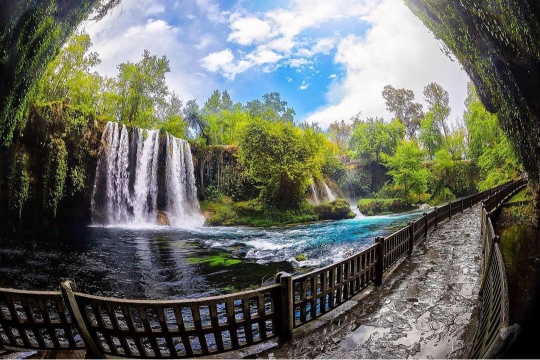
(340, 133)
(438, 101)
(31, 35)
(497, 43)
(282, 158)
(488, 146)
(195, 121)
(171, 117)
(373, 137)
(400, 103)
(430, 135)
(271, 109)
(141, 90)
(69, 75)
(407, 168)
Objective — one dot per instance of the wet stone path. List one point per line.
(424, 308)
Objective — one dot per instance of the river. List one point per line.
(156, 262)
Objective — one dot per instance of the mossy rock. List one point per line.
(336, 210)
(301, 257)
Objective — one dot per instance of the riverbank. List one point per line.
(253, 213)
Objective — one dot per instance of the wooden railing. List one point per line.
(111, 327)
(493, 333)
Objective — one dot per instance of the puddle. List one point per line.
(363, 334)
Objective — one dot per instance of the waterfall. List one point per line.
(314, 192)
(137, 177)
(331, 196)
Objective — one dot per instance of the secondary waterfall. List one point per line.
(329, 193)
(137, 176)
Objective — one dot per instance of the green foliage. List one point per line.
(438, 105)
(254, 213)
(488, 146)
(407, 169)
(371, 207)
(430, 135)
(141, 88)
(18, 181)
(373, 138)
(55, 173)
(272, 108)
(496, 42)
(335, 210)
(222, 259)
(282, 158)
(69, 75)
(32, 34)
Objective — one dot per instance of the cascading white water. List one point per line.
(314, 192)
(329, 193)
(182, 203)
(126, 188)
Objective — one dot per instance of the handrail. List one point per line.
(68, 319)
(493, 334)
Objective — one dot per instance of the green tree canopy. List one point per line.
(141, 90)
(373, 137)
(282, 158)
(407, 168)
(272, 108)
(70, 75)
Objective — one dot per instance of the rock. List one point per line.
(162, 218)
(424, 207)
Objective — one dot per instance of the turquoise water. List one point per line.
(167, 262)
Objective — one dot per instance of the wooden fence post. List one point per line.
(411, 237)
(92, 349)
(425, 225)
(450, 210)
(436, 217)
(461, 205)
(285, 310)
(379, 268)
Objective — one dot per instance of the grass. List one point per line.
(252, 213)
(521, 196)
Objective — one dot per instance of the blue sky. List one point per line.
(328, 59)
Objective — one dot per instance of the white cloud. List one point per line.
(264, 57)
(205, 41)
(332, 76)
(324, 46)
(212, 10)
(218, 60)
(397, 50)
(249, 30)
(224, 62)
(135, 25)
(289, 79)
(298, 62)
(304, 85)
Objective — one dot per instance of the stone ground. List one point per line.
(423, 309)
